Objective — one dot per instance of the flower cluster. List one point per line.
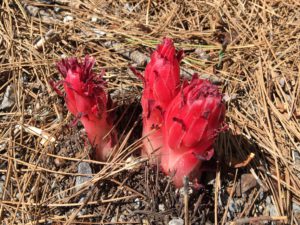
(180, 120)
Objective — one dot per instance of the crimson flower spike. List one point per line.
(161, 84)
(192, 122)
(88, 101)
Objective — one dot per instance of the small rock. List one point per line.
(94, 19)
(68, 19)
(261, 196)
(246, 183)
(3, 146)
(32, 10)
(282, 82)
(176, 221)
(18, 195)
(64, 56)
(83, 168)
(228, 98)
(270, 207)
(137, 204)
(129, 7)
(145, 222)
(202, 54)
(296, 207)
(182, 190)
(161, 207)
(57, 9)
(296, 157)
(99, 33)
(1, 188)
(9, 98)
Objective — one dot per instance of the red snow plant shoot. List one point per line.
(191, 124)
(88, 101)
(161, 85)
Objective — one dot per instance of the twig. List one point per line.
(217, 186)
(55, 205)
(186, 199)
(246, 162)
(147, 12)
(258, 219)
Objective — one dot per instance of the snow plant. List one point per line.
(191, 124)
(161, 84)
(88, 101)
(180, 121)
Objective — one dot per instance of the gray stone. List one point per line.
(176, 221)
(296, 207)
(83, 168)
(8, 98)
(1, 188)
(270, 207)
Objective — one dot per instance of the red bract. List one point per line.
(192, 122)
(161, 83)
(87, 100)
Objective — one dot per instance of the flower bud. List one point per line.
(192, 122)
(87, 100)
(161, 85)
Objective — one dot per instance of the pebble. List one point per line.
(3, 146)
(176, 221)
(98, 33)
(296, 157)
(129, 7)
(182, 191)
(296, 208)
(9, 98)
(32, 10)
(83, 168)
(57, 9)
(270, 207)
(161, 207)
(229, 97)
(282, 82)
(1, 188)
(94, 19)
(68, 19)
(137, 204)
(202, 54)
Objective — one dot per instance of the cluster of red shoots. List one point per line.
(181, 120)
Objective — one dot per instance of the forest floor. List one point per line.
(250, 49)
